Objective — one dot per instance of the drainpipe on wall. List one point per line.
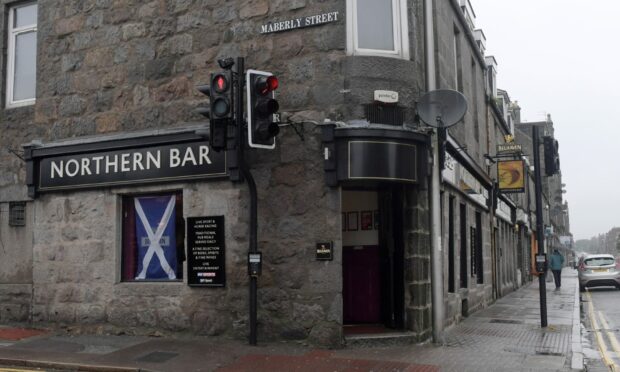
(436, 246)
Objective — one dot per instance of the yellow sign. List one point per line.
(509, 138)
(511, 175)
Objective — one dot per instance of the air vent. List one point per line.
(17, 214)
(384, 114)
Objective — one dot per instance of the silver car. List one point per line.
(597, 270)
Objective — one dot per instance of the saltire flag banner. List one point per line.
(155, 232)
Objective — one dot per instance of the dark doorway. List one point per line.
(373, 274)
(361, 273)
(463, 253)
(451, 244)
(479, 257)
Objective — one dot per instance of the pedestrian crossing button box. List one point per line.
(255, 263)
(541, 263)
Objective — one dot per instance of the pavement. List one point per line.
(505, 336)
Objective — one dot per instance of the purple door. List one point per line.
(361, 287)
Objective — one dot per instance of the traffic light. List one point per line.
(262, 106)
(220, 112)
(552, 156)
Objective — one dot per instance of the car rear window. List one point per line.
(600, 261)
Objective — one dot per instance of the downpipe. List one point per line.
(436, 244)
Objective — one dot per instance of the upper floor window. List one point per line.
(377, 27)
(22, 55)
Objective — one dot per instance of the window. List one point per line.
(474, 95)
(378, 27)
(458, 73)
(153, 237)
(21, 55)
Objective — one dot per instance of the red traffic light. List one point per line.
(220, 83)
(266, 84)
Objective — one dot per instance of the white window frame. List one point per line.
(400, 32)
(10, 75)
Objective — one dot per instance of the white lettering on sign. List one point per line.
(301, 22)
(128, 162)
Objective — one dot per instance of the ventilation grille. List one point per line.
(17, 214)
(384, 114)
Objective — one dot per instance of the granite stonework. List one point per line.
(15, 267)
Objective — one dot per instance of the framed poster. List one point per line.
(366, 220)
(352, 221)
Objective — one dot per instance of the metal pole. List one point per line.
(436, 246)
(542, 286)
(245, 171)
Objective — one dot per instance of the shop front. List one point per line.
(385, 252)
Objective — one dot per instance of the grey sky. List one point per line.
(562, 57)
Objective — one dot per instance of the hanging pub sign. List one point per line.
(511, 176)
(69, 168)
(206, 260)
(301, 22)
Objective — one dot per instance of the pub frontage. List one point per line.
(146, 230)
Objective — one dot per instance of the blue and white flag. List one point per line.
(155, 231)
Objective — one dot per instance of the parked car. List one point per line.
(598, 270)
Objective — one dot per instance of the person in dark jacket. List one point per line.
(556, 262)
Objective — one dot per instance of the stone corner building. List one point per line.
(101, 145)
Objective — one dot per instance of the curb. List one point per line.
(576, 348)
(69, 366)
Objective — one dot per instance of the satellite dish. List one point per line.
(442, 108)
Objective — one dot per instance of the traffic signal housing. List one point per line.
(220, 111)
(552, 156)
(262, 106)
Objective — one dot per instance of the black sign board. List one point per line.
(206, 260)
(301, 22)
(129, 166)
(324, 251)
(382, 161)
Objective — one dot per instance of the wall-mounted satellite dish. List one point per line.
(442, 108)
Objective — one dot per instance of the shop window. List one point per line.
(21, 55)
(153, 238)
(377, 27)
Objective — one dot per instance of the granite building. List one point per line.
(111, 198)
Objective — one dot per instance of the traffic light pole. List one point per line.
(539, 224)
(245, 171)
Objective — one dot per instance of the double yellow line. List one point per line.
(595, 318)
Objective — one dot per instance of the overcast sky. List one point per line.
(562, 57)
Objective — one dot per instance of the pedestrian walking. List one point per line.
(556, 261)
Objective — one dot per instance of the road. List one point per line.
(601, 318)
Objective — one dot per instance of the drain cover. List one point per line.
(506, 321)
(157, 357)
